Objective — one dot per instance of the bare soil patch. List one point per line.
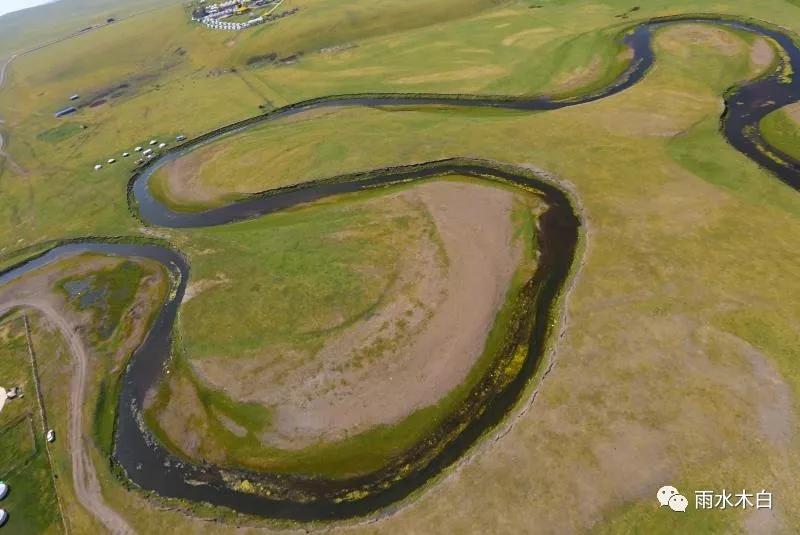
(580, 76)
(183, 176)
(417, 346)
(793, 111)
(762, 54)
(197, 287)
(185, 417)
(679, 39)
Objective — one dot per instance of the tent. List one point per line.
(3, 490)
(3, 397)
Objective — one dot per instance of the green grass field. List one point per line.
(679, 362)
(24, 465)
(782, 130)
(112, 331)
(285, 313)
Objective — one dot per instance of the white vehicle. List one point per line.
(98, 167)
(138, 149)
(3, 517)
(3, 490)
(125, 154)
(162, 145)
(111, 160)
(148, 151)
(153, 141)
(51, 436)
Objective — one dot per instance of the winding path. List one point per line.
(3, 153)
(84, 478)
(152, 467)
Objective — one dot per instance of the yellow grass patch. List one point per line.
(470, 73)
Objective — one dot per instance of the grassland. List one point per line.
(679, 363)
(286, 314)
(107, 294)
(24, 464)
(123, 302)
(781, 129)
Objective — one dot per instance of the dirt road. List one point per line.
(87, 487)
(3, 69)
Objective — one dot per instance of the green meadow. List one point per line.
(24, 465)
(679, 361)
(782, 130)
(288, 311)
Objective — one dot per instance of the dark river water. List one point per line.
(150, 466)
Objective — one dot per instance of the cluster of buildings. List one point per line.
(232, 26)
(147, 154)
(71, 109)
(213, 15)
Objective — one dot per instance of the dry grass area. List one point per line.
(680, 40)
(762, 54)
(793, 111)
(490, 71)
(578, 77)
(413, 348)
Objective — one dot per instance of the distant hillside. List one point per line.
(20, 30)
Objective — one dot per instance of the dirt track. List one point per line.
(12, 163)
(87, 487)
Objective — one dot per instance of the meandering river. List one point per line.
(152, 467)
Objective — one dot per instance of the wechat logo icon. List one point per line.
(670, 497)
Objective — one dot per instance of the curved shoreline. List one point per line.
(150, 466)
(377, 490)
(739, 123)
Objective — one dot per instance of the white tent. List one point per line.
(3, 397)
(3, 490)
(3, 517)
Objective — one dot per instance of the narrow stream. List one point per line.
(152, 467)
